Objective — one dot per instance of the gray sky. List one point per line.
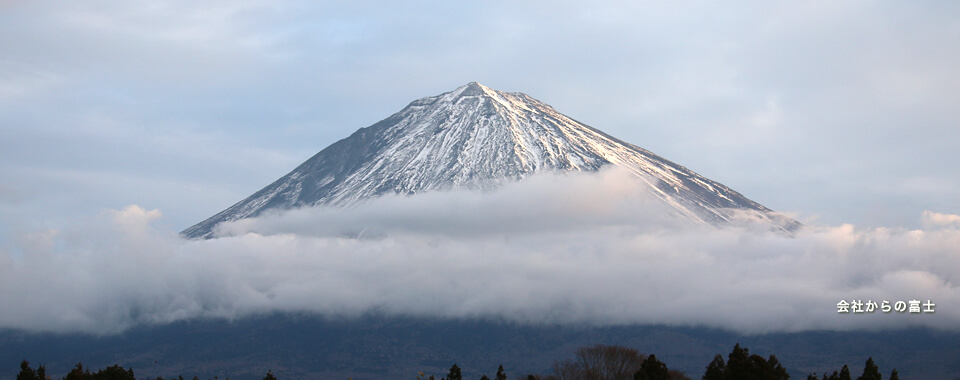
(833, 111)
(845, 112)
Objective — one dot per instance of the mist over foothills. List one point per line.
(553, 249)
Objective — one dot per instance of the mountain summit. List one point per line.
(477, 138)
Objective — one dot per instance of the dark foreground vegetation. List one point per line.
(597, 362)
(372, 347)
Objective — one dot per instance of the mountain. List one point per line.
(479, 138)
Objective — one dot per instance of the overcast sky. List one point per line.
(843, 111)
(832, 111)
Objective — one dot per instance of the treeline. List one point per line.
(602, 362)
(114, 372)
(741, 365)
(598, 362)
(870, 372)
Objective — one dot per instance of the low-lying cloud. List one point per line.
(550, 249)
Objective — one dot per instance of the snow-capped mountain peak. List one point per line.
(477, 138)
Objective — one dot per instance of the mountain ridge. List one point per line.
(478, 138)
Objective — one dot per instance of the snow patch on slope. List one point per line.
(476, 138)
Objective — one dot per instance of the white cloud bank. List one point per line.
(570, 249)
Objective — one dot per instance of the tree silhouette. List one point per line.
(845, 373)
(115, 372)
(597, 362)
(776, 371)
(78, 373)
(743, 366)
(739, 364)
(567, 370)
(454, 373)
(870, 371)
(715, 369)
(26, 373)
(269, 375)
(652, 369)
(608, 362)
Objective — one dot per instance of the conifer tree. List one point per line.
(739, 364)
(501, 375)
(26, 373)
(777, 370)
(759, 369)
(454, 373)
(78, 373)
(870, 371)
(715, 369)
(269, 375)
(894, 375)
(845, 373)
(652, 369)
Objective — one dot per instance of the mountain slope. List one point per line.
(477, 138)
